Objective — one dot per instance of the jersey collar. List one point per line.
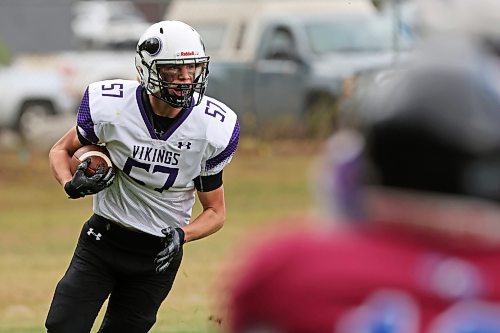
(149, 125)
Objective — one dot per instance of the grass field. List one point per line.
(39, 229)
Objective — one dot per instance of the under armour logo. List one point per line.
(181, 144)
(91, 232)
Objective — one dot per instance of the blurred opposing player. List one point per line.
(418, 187)
(167, 141)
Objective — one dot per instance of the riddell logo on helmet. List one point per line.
(187, 53)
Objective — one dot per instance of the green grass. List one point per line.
(39, 229)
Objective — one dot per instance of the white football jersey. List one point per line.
(153, 186)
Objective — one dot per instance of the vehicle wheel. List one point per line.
(32, 118)
(320, 118)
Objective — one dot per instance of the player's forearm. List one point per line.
(60, 154)
(59, 164)
(207, 223)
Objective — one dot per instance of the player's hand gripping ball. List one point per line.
(98, 155)
(92, 171)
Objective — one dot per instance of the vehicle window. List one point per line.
(214, 35)
(281, 44)
(354, 35)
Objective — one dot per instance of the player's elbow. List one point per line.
(220, 218)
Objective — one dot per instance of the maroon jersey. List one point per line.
(368, 281)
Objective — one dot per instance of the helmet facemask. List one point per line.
(161, 85)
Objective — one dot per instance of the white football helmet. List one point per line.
(172, 43)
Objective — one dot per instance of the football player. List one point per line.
(168, 142)
(418, 187)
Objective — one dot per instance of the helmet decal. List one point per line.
(151, 45)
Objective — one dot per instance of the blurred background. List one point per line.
(283, 65)
(294, 71)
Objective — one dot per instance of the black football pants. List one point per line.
(111, 261)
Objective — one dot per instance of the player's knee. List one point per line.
(55, 319)
(65, 317)
(62, 324)
(54, 326)
(58, 322)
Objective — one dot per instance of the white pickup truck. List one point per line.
(29, 95)
(80, 68)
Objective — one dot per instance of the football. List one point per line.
(98, 155)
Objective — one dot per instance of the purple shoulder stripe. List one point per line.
(84, 119)
(228, 152)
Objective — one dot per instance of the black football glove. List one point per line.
(81, 185)
(174, 239)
